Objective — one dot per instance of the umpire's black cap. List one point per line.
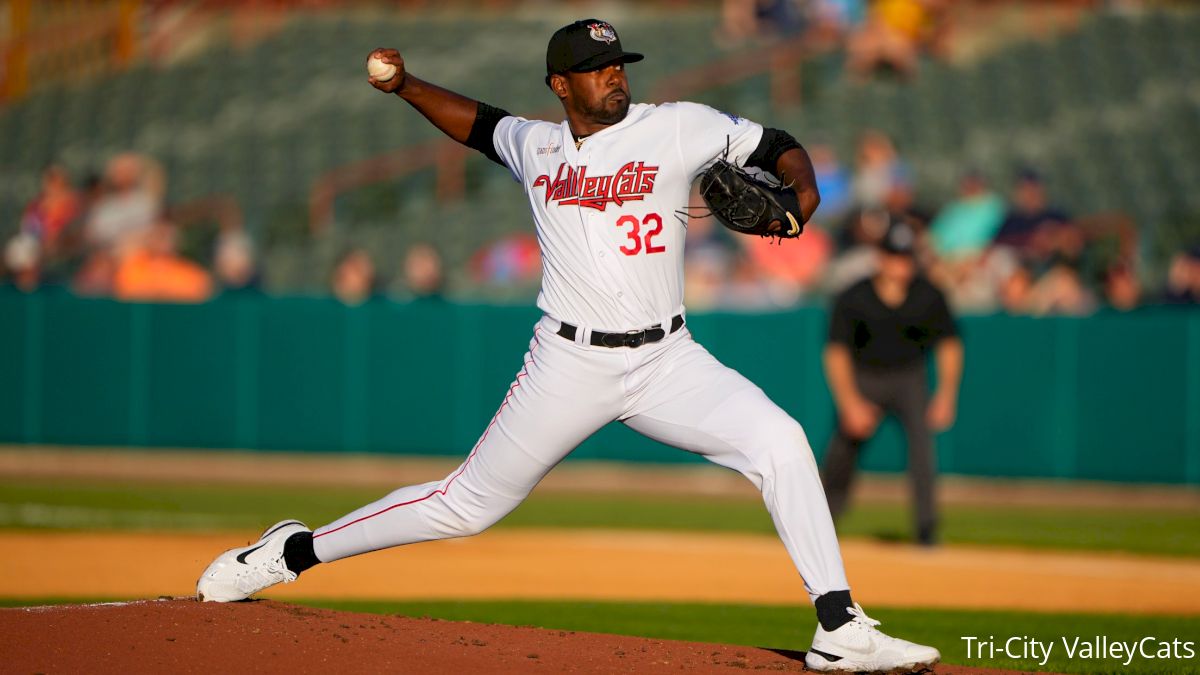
(585, 45)
(900, 239)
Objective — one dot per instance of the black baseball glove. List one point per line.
(748, 205)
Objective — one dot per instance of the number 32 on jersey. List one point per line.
(641, 234)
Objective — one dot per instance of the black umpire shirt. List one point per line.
(883, 337)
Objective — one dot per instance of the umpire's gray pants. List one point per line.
(905, 394)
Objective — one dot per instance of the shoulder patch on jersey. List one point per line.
(602, 32)
(732, 118)
(549, 149)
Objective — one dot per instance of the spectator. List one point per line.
(781, 17)
(880, 332)
(512, 260)
(746, 19)
(981, 280)
(95, 276)
(129, 205)
(72, 242)
(423, 272)
(54, 208)
(878, 167)
(1029, 212)
(152, 270)
(1122, 290)
(1016, 291)
(749, 289)
(354, 280)
(861, 257)
(739, 22)
(234, 262)
(1183, 278)
(23, 261)
(32, 253)
(833, 181)
(833, 20)
(965, 226)
(891, 37)
(901, 205)
(1061, 291)
(792, 268)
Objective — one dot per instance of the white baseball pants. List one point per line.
(673, 391)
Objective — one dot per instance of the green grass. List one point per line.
(791, 627)
(103, 505)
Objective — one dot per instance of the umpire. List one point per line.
(875, 362)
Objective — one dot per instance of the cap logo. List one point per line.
(602, 32)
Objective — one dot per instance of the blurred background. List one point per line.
(216, 234)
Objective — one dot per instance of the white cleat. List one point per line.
(239, 573)
(858, 646)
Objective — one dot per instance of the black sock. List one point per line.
(831, 609)
(298, 553)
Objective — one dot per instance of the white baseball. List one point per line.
(380, 69)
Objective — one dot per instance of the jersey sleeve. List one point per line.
(510, 137)
(704, 134)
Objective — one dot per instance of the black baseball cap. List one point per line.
(585, 45)
(900, 239)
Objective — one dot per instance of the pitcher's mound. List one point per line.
(265, 636)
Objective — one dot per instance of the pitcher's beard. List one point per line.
(609, 113)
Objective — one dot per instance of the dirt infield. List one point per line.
(616, 565)
(185, 636)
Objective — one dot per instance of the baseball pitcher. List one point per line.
(603, 186)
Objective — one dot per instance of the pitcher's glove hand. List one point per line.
(748, 205)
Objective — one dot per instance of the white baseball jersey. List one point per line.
(612, 257)
(607, 214)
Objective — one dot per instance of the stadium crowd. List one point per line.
(875, 35)
(1014, 252)
(996, 246)
(110, 237)
(1017, 253)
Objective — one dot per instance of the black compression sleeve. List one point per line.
(773, 144)
(480, 138)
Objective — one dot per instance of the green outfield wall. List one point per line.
(1110, 397)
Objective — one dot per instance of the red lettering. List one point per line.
(636, 247)
(571, 187)
(646, 183)
(658, 225)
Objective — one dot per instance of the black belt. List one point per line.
(633, 338)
